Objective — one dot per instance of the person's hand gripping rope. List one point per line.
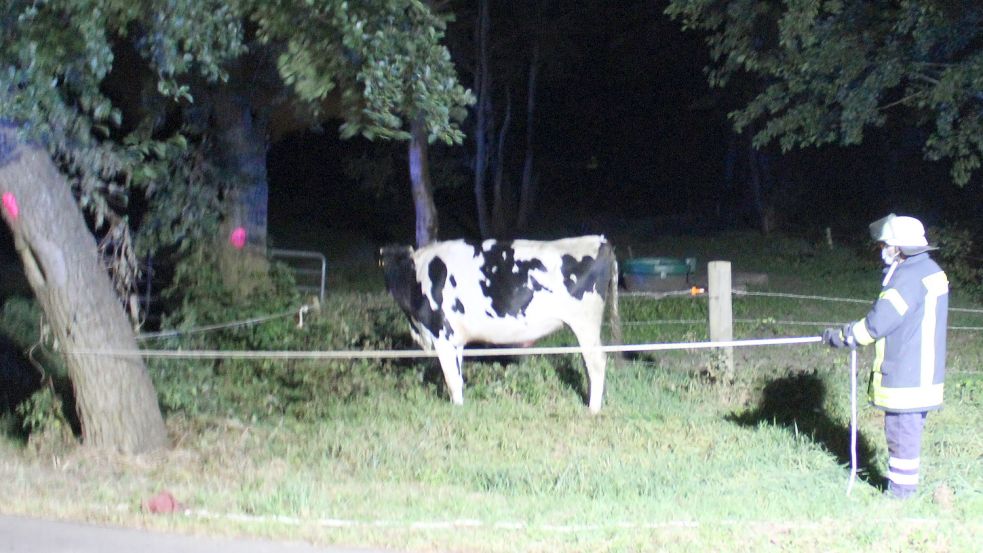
(840, 337)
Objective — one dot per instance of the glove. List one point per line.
(840, 337)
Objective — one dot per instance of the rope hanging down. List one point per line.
(853, 420)
(404, 354)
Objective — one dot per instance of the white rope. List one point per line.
(736, 292)
(789, 323)
(828, 298)
(797, 296)
(853, 419)
(966, 310)
(693, 291)
(402, 354)
(742, 321)
(663, 321)
(221, 326)
(762, 322)
(519, 525)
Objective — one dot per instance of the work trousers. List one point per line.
(904, 444)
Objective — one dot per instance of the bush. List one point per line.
(961, 259)
(30, 377)
(257, 388)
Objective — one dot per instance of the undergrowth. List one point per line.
(33, 381)
(961, 258)
(254, 388)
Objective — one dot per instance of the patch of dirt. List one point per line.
(944, 497)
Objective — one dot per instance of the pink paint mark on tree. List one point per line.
(238, 238)
(10, 206)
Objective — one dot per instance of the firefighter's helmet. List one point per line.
(907, 233)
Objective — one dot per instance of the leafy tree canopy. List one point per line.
(55, 54)
(386, 56)
(383, 56)
(826, 70)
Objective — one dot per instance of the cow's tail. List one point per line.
(617, 337)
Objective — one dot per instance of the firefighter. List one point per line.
(907, 325)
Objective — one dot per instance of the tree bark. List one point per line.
(758, 180)
(242, 139)
(727, 195)
(426, 210)
(482, 87)
(527, 190)
(115, 398)
(501, 207)
(243, 147)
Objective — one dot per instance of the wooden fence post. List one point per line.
(721, 315)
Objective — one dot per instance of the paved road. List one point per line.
(28, 535)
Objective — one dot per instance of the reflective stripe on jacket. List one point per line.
(907, 324)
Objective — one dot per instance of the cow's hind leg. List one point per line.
(450, 363)
(589, 337)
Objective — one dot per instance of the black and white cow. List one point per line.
(456, 292)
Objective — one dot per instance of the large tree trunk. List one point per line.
(759, 181)
(482, 87)
(726, 197)
(242, 140)
(116, 401)
(426, 211)
(242, 150)
(502, 207)
(527, 190)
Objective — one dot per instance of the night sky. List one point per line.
(627, 129)
(620, 132)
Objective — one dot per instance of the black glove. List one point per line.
(840, 337)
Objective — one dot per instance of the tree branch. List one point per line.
(904, 100)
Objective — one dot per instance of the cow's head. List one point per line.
(400, 274)
(399, 269)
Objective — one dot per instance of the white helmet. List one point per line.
(907, 233)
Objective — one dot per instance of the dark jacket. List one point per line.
(907, 324)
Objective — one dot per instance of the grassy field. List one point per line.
(676, 461)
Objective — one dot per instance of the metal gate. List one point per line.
(310, 269)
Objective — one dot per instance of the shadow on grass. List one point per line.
(796, 403)
(573, 375)
(570, 370)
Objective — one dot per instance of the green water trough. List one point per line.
(657, 274)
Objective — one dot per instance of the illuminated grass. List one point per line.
(676, 461)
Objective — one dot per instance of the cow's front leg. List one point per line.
(595, 374)
(450, 363)
(589, 337)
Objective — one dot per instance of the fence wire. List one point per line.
(691, 292)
